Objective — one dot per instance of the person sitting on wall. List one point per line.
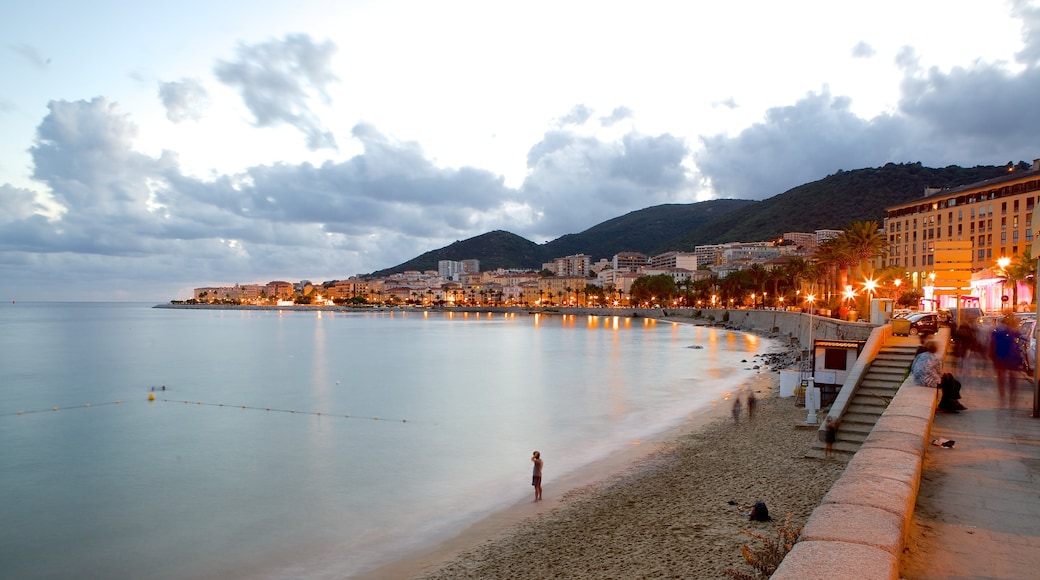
(950, 401)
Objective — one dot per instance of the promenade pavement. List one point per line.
(978, 508)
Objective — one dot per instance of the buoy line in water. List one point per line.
(56, 409)
(291, 411)
(151, 398)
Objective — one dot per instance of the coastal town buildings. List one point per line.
(993, 218)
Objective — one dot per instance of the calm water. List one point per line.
(195, 486)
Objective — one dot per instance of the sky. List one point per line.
(148, 148)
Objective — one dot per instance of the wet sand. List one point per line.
(671, 507)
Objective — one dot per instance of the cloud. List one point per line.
(616, 116)
(119, 206)
(578, 115)
(184, 100)
(577, 181)
(31, 55)
(1029, 13)
(973, 115)
(863, 50)
(729, 103)
(278, 80)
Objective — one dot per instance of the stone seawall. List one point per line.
(792, 324)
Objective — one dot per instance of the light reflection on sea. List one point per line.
(186, 488)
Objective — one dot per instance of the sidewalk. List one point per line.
(978, 508)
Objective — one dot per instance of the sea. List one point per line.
(142, 442)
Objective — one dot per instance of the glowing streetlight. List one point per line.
(1003, 262)
(810, 388)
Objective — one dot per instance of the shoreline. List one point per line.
(448, 556)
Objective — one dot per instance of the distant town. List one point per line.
(936, 252)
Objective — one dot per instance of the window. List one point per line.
(1015, 206)
(1003, 208)
(1029, 235)
(949, 231)
(1014, 236)
(835, 358)
(982, 255)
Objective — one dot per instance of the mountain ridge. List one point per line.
(832, 202)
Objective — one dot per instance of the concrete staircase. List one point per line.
(879, 385)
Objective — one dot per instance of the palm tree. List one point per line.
(1021, 269)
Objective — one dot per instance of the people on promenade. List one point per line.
(927, 367)
(964, 342)
(736, 409)
(1006, 357)
(536, 477)
(950, 400)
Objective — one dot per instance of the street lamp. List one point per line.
(1003, 262)
(810, 388)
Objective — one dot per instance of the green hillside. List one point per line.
(646, 230)
(833, 202)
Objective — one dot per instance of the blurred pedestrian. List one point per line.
(736, 409)
(751, 402)
(1007, 359)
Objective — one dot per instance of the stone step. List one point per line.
(866, 418)
(856, 427)
(894, 376)
(886, 392)
(840, 446)
(866, 406)
(891, 363)
(880, 383)
(856, 437)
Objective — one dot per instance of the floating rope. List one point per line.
(151, 397)
(56, 409)
(291, 411)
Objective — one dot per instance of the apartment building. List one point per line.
(995, 216)
(685, 260)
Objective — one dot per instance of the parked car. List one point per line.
(967, 314)
(1027, 342)
(924, 323)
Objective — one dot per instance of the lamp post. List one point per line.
(1003, 262)
(810, 388)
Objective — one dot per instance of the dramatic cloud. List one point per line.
(982, 114)
(577, 181)
(279, 79)
(1030, 15)
(184, 100)
(376, 209)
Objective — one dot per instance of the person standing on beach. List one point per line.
(536, 477)
(736, 409)
(751, 405)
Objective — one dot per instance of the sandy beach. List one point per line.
(669, 508)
